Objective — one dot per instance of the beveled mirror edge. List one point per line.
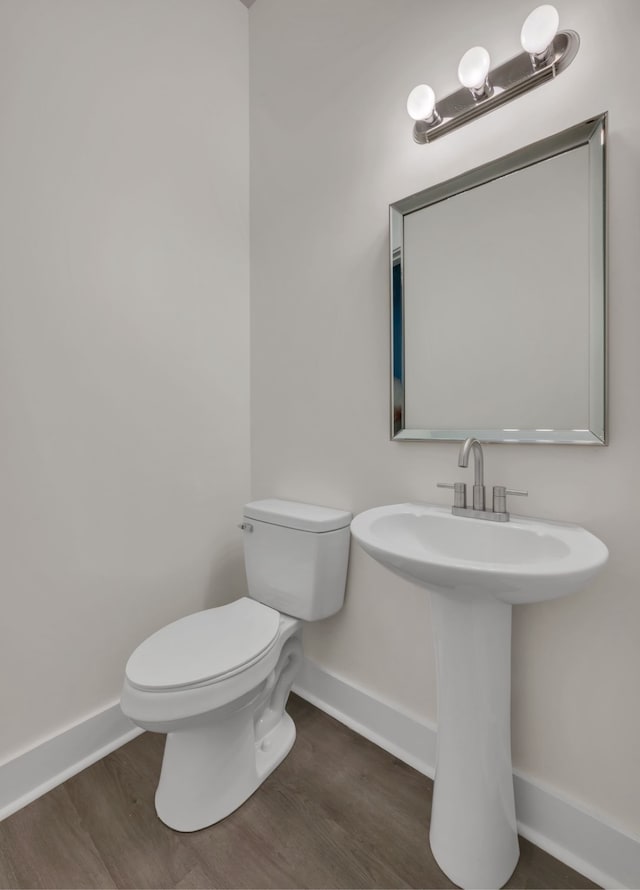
(502, 437)
(591, 133)
(598, 278)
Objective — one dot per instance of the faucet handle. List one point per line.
(459, 492)
(500, 493)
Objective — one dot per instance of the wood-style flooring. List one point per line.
(339, 812)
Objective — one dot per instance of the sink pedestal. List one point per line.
(473, 832)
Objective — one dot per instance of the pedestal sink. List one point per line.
(476, 571)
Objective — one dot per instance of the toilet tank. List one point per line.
(296, 556)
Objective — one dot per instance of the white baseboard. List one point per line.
(37, 771)
(584, 841)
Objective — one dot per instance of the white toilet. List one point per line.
(217, 681)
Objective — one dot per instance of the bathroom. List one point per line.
(195, 315)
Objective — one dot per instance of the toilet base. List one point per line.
(274, 747)
(209, 772)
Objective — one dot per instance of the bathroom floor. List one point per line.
(339, 812)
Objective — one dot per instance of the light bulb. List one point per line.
(474, 67)
(421, 103)
(539, 29)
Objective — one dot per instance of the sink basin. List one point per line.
(476, 571)
(520, 561)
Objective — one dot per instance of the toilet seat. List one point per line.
(204, 648)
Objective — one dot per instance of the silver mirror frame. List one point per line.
(590, 133)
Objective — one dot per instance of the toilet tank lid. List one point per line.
(292, 514)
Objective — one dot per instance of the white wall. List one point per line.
(123, 338)
(331, 148)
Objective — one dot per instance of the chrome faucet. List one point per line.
(478, 510)
(478, 469)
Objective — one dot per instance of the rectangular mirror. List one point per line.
(498, 298)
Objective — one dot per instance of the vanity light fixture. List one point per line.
(546, 52)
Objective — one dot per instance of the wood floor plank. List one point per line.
(115, 799)
(388, 801)
(196, 879)
(45, 845)
(312, 846)
(339, 812)
(239, 854)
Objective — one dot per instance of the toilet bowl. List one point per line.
(217, 682)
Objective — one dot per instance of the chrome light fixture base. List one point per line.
(509, 80)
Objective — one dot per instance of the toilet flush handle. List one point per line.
(246, 526)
